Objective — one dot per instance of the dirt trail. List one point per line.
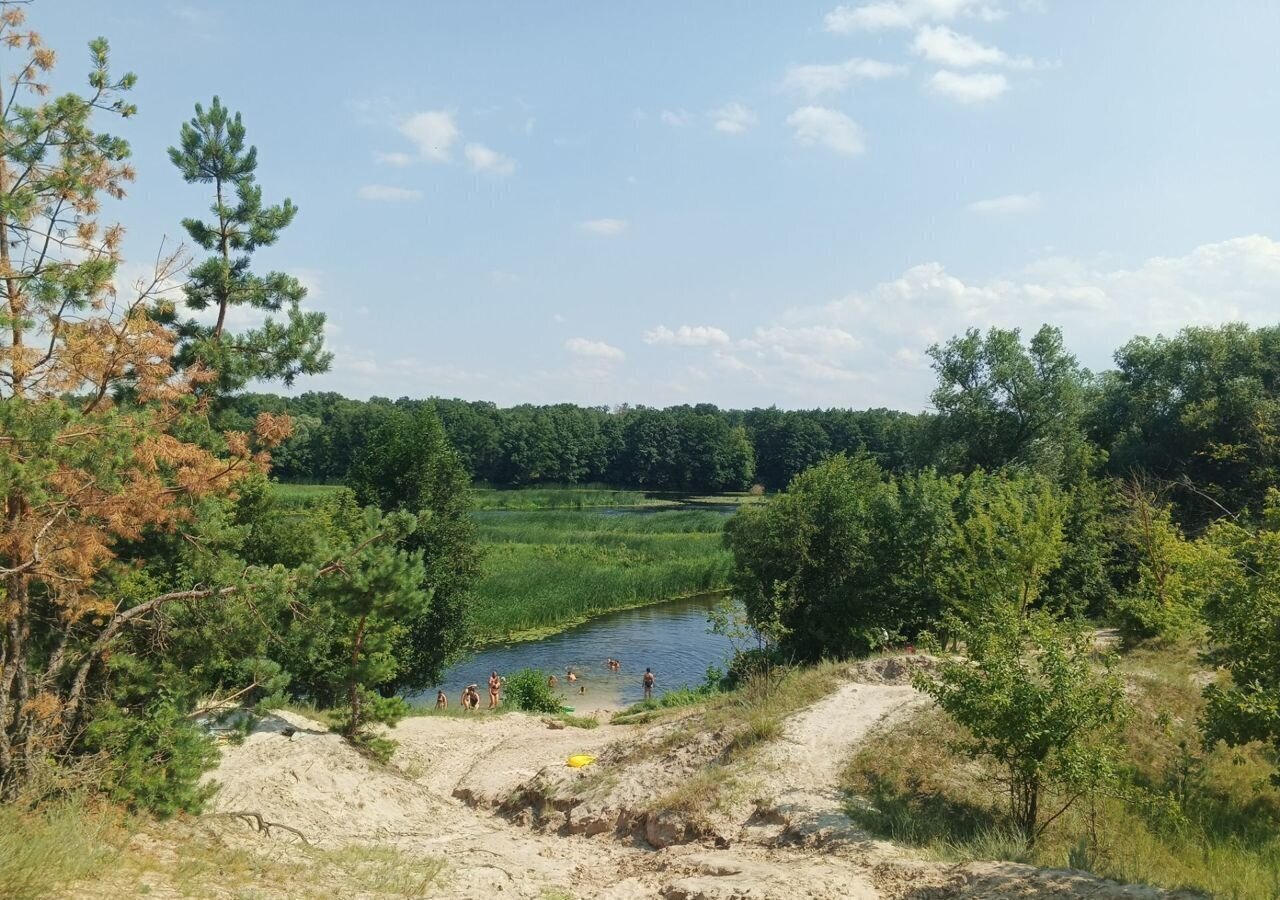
(436, 799)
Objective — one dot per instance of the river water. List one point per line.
(672, 638)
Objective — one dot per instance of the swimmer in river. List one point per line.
(571, 677)
(442, 702)
(648, 682)
(552, 681)
(495, 690)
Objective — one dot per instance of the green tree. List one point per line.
(1030, 700)
(1009, 539)
(1001, 403)
(810, 563)
(1242, 608)
(212, 151)
(407, 464)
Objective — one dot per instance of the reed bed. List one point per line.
(546, 570)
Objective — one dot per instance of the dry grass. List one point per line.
(1207, 819)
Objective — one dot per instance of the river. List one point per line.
(672, 638)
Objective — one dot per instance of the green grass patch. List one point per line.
(304, 495)
(44, 851)
(535, 498)
(547, 570)
(1205, 818)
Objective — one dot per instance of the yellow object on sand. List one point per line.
(581, 760)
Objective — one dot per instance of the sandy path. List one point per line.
(806, 763)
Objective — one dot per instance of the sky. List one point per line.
(737, 203)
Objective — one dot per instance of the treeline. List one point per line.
(682, 448)
(1198, 411)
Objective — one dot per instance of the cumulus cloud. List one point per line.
(816, 80)
(939, 44)
(383, 193)
(687, 336)
(676, 117)
(483, 159)
(1007, 205)
(827, 127)
(733, 118)
(604, 227)
(980, 87)
(433, 133)
(594, 350)
(888, 14)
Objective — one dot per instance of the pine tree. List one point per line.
(213, 151)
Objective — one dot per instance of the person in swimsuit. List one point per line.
(495, 690)
(442, 702)
(648, 682)
(552, 681)
(471, 697)
(571, 676)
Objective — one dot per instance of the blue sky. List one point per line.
(745, 204)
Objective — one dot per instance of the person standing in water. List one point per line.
(442, 702)
(495, 690)
(648, 682)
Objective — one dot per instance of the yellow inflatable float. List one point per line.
(577, 762)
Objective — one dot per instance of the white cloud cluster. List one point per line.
(687, 336)
(604, 227)
(890, 14)
(676, 117)
(829, 128)
(939, 44)
(594, 350)
(483, 159)
(434, 133)
(733, 118)
(1007, 205)
(968, 89)
(816, 80)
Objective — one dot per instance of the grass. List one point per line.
(547, 570)
(564, 498)
(302, 495)
(42, 852)
(1210, 821)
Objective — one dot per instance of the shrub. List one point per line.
(528, 690)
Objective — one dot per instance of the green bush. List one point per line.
(528, 690)
(153, 760)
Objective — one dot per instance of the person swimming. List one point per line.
(552, 681)
(570, 676)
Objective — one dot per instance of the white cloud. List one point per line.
(979, 87)
(676, 117)
(886, 14)
(816, 80)
(483, 159)
(828, 127)
(1007, 205)
(941, 45)
(383, 193)
(605, 227)
(397, 159)
(733, 118)
(595, 350)
(687, 336)
(433, 133)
